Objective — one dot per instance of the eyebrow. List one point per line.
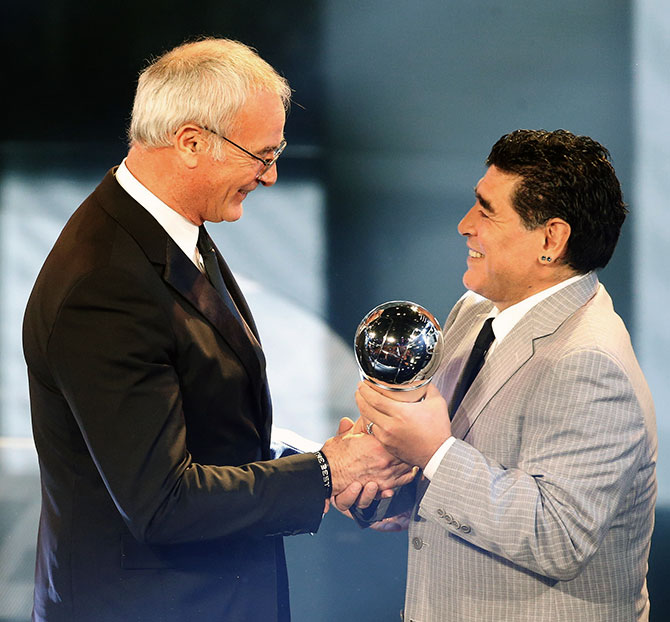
(483, 202)
(273, 148)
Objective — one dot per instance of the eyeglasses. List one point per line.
(267, 163)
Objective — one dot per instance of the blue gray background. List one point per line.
(396, 106)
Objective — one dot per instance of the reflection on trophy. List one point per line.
(398, 348)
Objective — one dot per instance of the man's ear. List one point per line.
(556, 236)
(189, 144)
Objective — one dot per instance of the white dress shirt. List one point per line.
(180, 229)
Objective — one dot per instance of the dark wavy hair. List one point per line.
(569, 177)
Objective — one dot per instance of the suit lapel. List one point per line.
(181, 274)
(517, 348)
(184, 277)
(499, 367)
(241, 303)
(459, 341)
(253, 338)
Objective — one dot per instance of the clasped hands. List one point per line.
(403, 437)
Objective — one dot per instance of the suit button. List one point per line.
(417, 543)
(440, 512)
(455, 524)
(448, 519)
(466, 528)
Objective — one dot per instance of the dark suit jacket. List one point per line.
(152, 420)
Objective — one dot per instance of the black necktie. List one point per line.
(208, 254)
(474, 364)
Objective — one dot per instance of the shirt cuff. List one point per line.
(294, 441)
(434, 462)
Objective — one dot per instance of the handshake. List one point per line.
(398, 345)
(386, 447)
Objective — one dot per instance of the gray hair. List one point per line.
(205, 82)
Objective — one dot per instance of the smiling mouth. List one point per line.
(472, 253)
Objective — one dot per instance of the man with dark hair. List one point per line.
(537, 437)
(163, 499)
(568, 177)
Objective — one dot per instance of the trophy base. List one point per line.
(412, 395)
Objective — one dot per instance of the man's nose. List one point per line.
(269, 177)
(465, 226)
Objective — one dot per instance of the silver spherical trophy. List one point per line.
(398, 348)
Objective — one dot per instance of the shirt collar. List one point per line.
(180, 229)
(505, 321)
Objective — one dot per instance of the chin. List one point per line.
(474, 286)
(469, 281)
(232, 213)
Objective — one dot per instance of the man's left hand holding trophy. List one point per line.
(398, 348)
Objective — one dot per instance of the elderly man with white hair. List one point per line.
(162, 496)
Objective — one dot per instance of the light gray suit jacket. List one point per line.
(543, 508)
